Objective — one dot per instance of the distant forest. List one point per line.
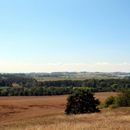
(25, 85)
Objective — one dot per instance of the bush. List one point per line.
(81, 101)
(109, 101)
(122, 100)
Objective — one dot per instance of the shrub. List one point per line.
(122, 100)
(109, 101)
(81, 101)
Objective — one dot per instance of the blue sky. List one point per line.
(67, 35)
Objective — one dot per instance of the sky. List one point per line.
(64, 35)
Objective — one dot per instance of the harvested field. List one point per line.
(47, 113)
(17, 108)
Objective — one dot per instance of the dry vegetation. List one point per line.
(47, 113)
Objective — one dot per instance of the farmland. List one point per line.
(47, 112)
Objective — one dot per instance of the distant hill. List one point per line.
(77, 75)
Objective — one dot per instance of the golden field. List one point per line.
(47, 113)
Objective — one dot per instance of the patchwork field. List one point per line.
(47, 113)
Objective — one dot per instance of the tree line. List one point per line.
(99, 85)
(35, 91)
(20, 85)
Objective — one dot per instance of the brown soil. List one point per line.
(26, 108)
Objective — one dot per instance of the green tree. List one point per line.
(81, 101)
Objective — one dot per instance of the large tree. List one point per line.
(81, 101)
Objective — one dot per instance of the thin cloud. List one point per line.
(52, 67)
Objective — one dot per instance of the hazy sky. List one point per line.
(64, 35)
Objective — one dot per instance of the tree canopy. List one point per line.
(81, 101)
